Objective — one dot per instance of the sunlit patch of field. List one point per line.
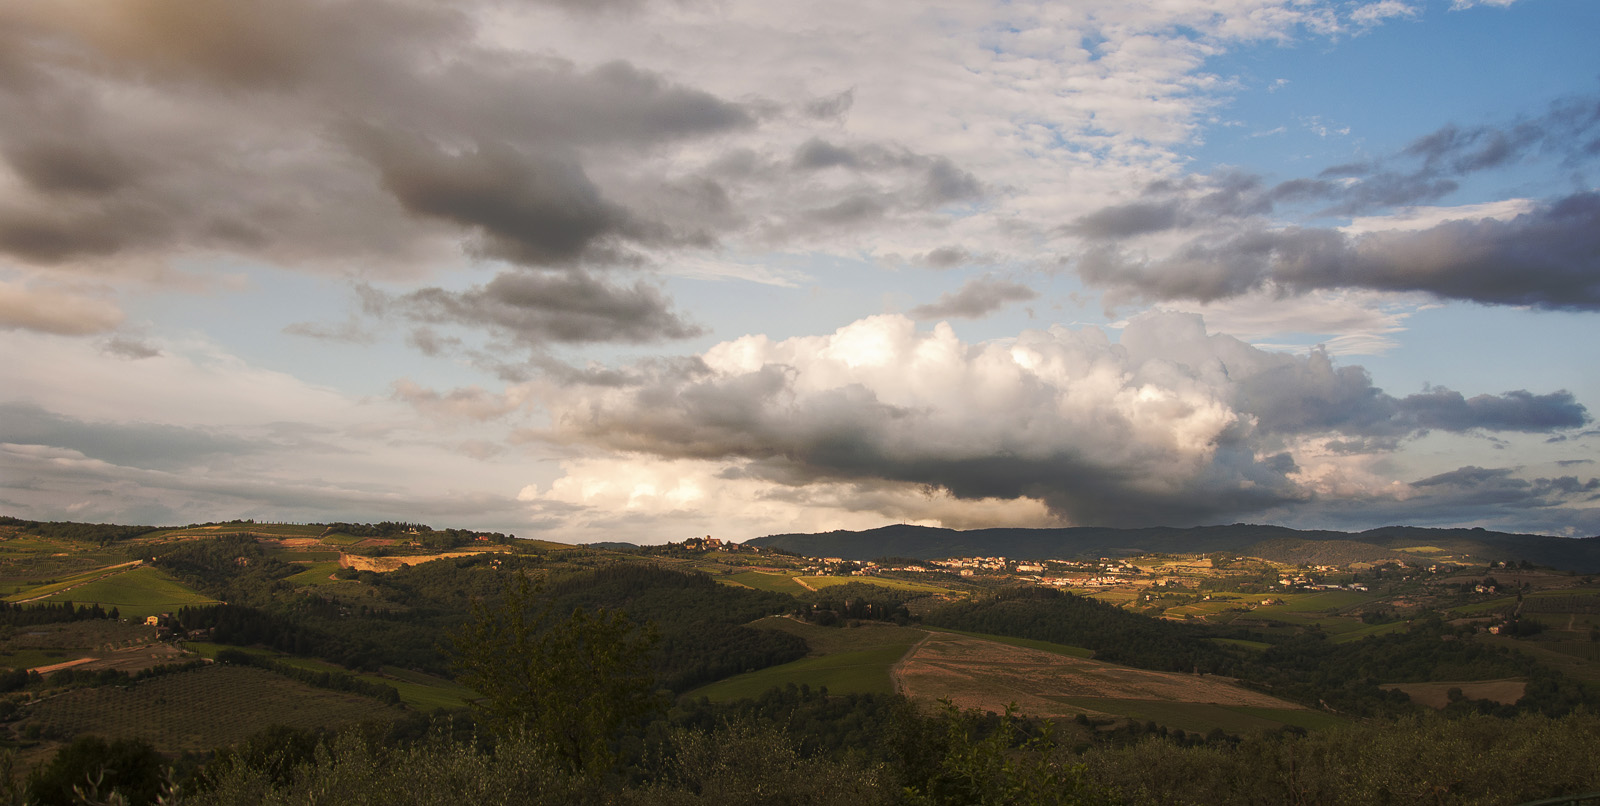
(825, 582)
(135, 593)
(1028, 643)
(1436, 695)
(1322, 601)
(66, 583)
(984, 674)
(393, 563)
(1367, 631)
(763, 581)
(845, 660)
(321, 573)
(1207, 611)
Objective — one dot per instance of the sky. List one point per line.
(642, 270)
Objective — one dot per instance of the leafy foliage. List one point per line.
(570, 685)
(99, 533)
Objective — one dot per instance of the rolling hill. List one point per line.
(1271, 542)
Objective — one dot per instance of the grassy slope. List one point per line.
(424, 692)
(136, 593)
(846, 660)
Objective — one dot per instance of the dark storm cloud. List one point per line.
(143, 445)
(529, 208)
(1547, 258)
(1513, 411)
(1310, 395)
(977, 298)
(1495, 498)
(1499, 487)
(537, 308)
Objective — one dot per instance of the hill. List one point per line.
(1271, 542)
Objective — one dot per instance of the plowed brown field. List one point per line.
(975, 673)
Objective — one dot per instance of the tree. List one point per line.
(126, 770)
(567, 685)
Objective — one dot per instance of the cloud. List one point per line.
(470, 403)
(529, 208)
(977, 298)
(535, 309)
(1548, 257)
(164, 130)
(350, 331)
(1172, 425)
(1376, 13)
(145, 445)
(129, 348)
(57, 310)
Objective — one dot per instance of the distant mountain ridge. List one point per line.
(1269, 542)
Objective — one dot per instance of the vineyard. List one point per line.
(199, 710)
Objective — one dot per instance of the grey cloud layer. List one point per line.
(158, 447)
(1170, 426)
(1547, 257)
(531, 309)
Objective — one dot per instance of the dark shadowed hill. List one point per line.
(1271, 542)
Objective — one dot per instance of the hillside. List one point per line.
(1271, 542)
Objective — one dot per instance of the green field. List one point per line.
(201, 710)
(29, 658)
(136, 593)
(777, 583)
(1368, 630)
(62, 583)
(1198, 717)
(823, 583)
(1322, 601)
(847, 660)
(862, 672)
(418, 690)
(315, 574)
(425, 692)
(1490, 606)
(1025, 643)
